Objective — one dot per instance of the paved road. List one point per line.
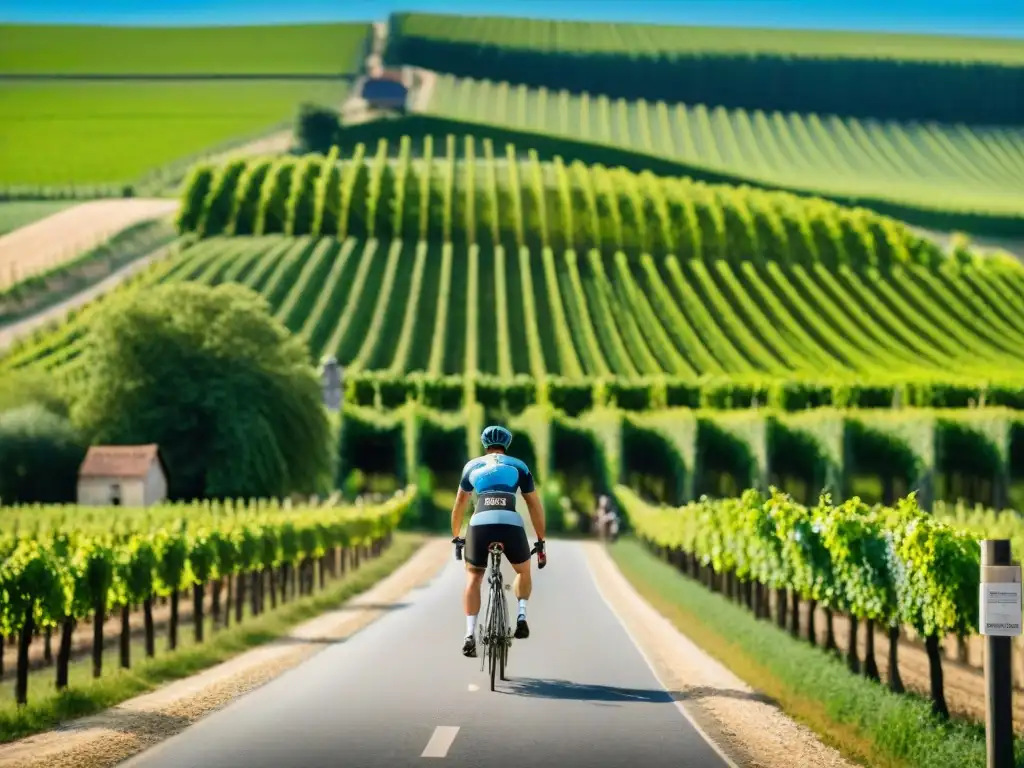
(580, 693)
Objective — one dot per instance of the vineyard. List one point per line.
(550, 36)
(505, 267)
(677, 263)
(62, 565)
(885, 567)
(899, 77)
(952, 167)
(677, 454)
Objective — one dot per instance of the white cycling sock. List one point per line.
(522, 607)
(470, 625)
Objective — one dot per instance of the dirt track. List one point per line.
(56, 239)
(11, 332)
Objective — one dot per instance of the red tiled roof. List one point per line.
(118, 460)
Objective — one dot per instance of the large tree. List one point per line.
(221, 386)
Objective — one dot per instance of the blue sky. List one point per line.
(1003, 18)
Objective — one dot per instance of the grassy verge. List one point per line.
(861, 719)
(85, 695)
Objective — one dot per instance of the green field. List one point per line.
(954, 168)
(895, 77)
(298, 49)
(59, 133)
(17, 214)
(543, 35)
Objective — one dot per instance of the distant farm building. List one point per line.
(122, 476)
(386, 89)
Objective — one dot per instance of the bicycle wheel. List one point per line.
(494, 632)
(485, 632)
(506, 639)
(504, 659)
(494, 664)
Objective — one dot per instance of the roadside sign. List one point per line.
(1000, 602)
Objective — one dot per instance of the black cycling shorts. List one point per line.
(512, 537)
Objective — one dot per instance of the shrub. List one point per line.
(40, 453)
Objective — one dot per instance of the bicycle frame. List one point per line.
(495, 633)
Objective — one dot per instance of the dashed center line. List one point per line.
(441, 741)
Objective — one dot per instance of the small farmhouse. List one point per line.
(122, 475)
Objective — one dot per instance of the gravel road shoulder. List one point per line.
(109, 738)
(750, 731)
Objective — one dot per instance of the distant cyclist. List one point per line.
(495, 477)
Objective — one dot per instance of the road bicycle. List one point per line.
(495, 632)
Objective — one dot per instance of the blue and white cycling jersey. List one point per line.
(496, 472)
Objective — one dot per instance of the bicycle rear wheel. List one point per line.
(494, 632)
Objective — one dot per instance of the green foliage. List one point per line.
(224, 190)
(40, 453)
(247, 197)
(894, 566)
(936, 569)
(316, 128)
(197, 188)
(63, 561)
(539, 215)
(274, 195)
(302, 196)
(206, 374)
(982, 204)
(877, 725)
(28, 387)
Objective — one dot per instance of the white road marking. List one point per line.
(441, 741)
(473, 688)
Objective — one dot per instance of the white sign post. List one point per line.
(1001, 608)
(999, 622)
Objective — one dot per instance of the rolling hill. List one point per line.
(521, 269)
(898, 77)
(940, 167)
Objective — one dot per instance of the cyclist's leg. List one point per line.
(476, 563)
(517, 549)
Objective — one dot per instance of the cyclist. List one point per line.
(495, 477)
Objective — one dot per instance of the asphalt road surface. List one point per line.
(399, 693)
